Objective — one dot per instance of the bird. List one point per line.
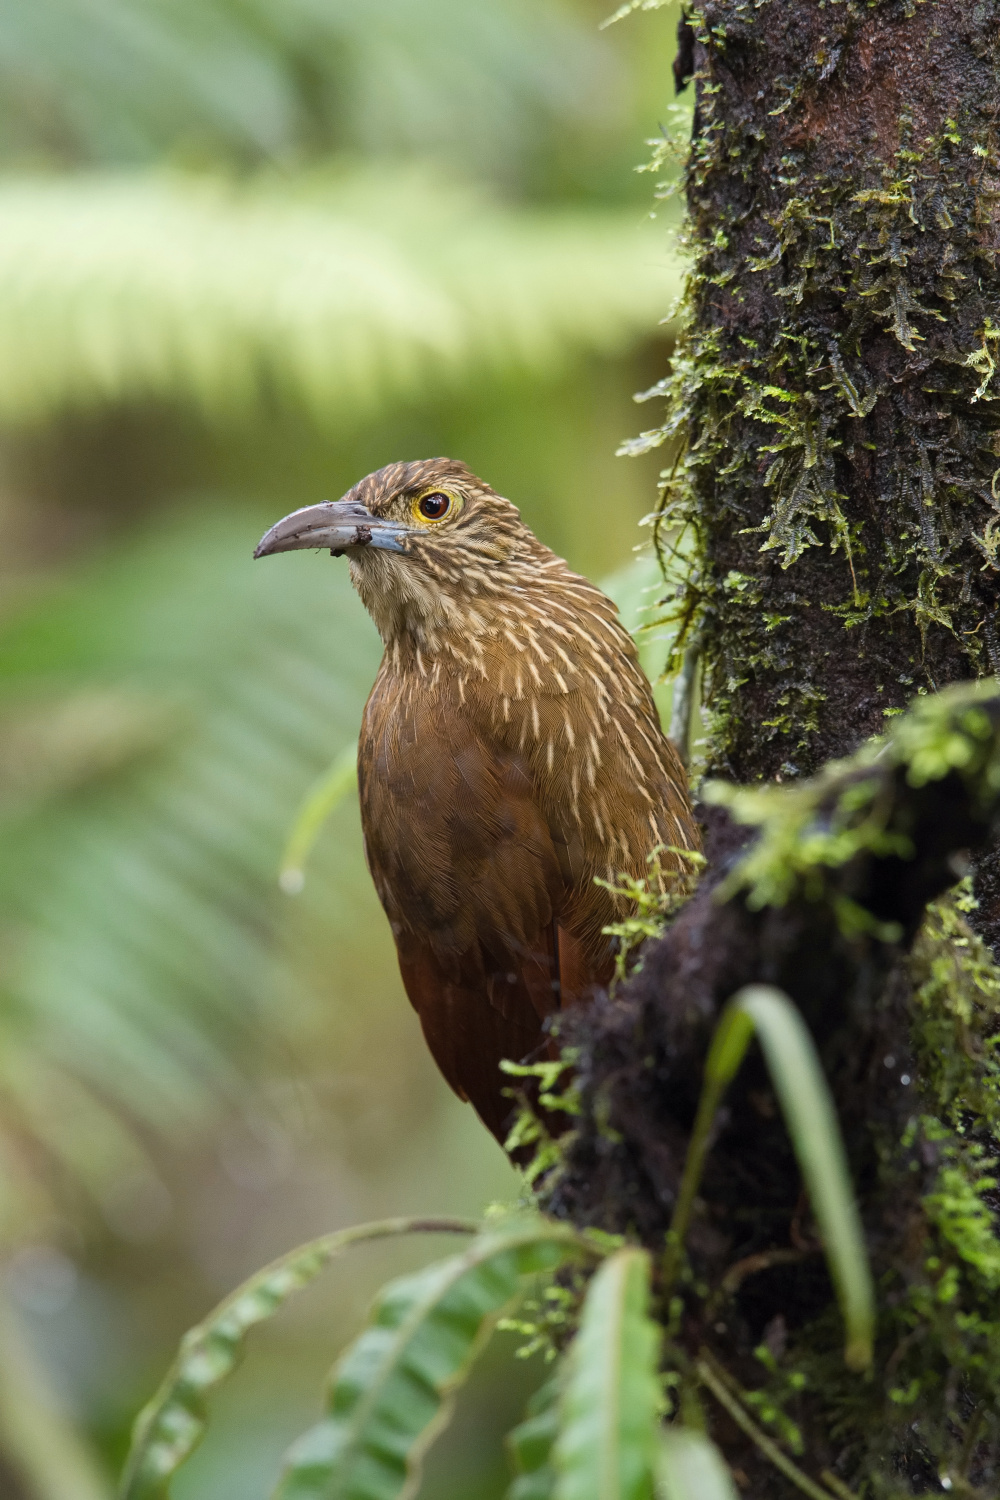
(511, 764)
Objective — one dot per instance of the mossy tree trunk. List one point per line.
(836, 387)
(832, 406)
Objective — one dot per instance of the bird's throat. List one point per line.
(407, 608)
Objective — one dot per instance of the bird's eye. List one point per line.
(433, 507)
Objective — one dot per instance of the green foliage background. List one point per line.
(247, 254)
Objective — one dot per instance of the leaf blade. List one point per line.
(530, 1446)
(606, 1442)
(171, 1425)
(692, 1468)
(385, 308)
(391, 1392)
(319, 803)
(815, 1132)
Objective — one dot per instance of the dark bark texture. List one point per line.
(832, 418)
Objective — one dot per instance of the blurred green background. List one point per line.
(248, 253)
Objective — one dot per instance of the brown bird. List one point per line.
(510, 754)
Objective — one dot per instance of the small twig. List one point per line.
(972, 1433)
(708, 1377)
(749, 1266)
(683, 701)
(837, 1485)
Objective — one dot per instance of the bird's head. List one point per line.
(423, 539)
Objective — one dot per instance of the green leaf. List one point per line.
(530, 1446)
(607, 1432)
(815, 1134)
(391, 1392)
(692, 1468)
(628, 8)
(330, 790)
(173, 1423)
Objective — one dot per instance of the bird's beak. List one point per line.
(337, 524)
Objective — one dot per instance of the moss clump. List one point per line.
(807, 835)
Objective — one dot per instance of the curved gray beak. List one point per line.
(337, 524)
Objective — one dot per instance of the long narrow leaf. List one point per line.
(812, 1124)
(692, 1468)
(328, 792)
(390, 1393)
(607, 1439)
(815, 1134)
(172, 1424)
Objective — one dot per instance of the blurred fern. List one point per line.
(339, 294)
(161, 714)
(137, 875)
(126, 80)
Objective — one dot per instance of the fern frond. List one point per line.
(127, 80)
(340, 296)
(139, 910)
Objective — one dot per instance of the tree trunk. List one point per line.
(836, 386)
(838, 460)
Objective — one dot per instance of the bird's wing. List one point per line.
(467, 1035)
(464, 864)
(582, 971)
(470, 1027)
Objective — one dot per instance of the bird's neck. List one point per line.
(450, 599)
(408, 610)
(536, 631)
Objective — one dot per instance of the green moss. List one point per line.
(807, 832)
(652, 901)
(957, 1001)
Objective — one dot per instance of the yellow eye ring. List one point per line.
(432, 506)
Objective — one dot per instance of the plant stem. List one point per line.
(42, 1443)
(683, 701)
(770, 1450)
(698, 1149)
